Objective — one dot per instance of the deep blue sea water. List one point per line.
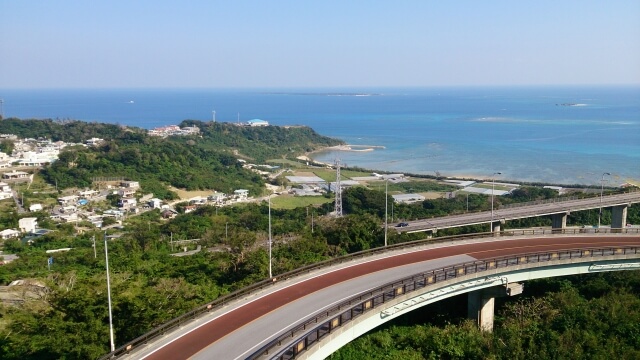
(526, 133)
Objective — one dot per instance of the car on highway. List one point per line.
(402, 224)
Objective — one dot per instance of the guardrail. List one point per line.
(302, 337)
(559, 200)
(268, 283)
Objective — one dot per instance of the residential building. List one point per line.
(9, 234)
(28, 225)
(127, 203)
(127, 192)
(130, 184)
(15, 175)
(241, 194)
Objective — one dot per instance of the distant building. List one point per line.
(130, 184)
(66, 200)
(15, 175)
(257, 122)
(155, 203)
(127, 203)
(241, 194)
(94, 141)
(35, 207)
(127, 192)
(9, 234)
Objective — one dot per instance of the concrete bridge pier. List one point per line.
(496, 227)
(480, 303)
(619, 216)
(559, 222)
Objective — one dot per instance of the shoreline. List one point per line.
(461, 176)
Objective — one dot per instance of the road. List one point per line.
(246, 327)
(520, 212)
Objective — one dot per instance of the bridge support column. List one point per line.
(619, 216)
(495, 227)
(558, 222)
(480, 303)
(480, 308)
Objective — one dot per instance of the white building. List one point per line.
(241, 194)
(127, 203)
(35, 207)
(155, 203)
(9, 234)
(257, 122)
(28, 225)
(94, 141)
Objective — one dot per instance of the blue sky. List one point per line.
(214, 44)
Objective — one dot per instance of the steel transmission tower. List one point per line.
(338, 190)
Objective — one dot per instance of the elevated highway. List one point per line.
(313, 311)
(559, 208)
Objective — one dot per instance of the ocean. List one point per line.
(559, 135)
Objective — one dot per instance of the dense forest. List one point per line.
(63, 314)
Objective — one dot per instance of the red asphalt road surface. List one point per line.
(202, 337)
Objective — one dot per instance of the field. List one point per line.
(292, 202)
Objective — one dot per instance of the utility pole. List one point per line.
(338, 191)
(95, 251)
(106, 257)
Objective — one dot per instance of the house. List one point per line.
(73, 217)
(9, 234)
(127, 192)
(127, 203)
(94, 141)
(190, 208)
(130, 184)
(217, 198)
(155, 203)
(35, 207)
(88, 194)
(187, 130)
(4, 187)
(168, 214)
(28, 225)
(241, 194)
(15, 175)
(67, 200)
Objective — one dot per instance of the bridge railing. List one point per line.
(311, 331)
(268, 283)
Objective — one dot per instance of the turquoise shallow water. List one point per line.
(563, 135)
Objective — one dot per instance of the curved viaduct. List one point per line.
(558, 209)
(312, 313)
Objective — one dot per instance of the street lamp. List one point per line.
(386, 207)
(493, 187)
(601, 193)
(270, 273)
